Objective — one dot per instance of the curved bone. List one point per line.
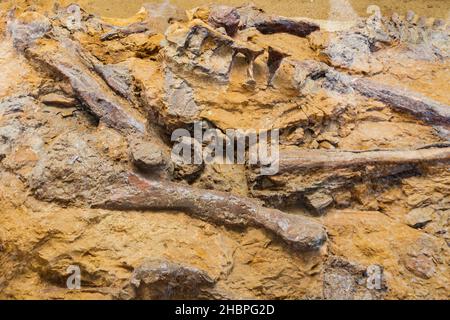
(89, 88)
(219, 207)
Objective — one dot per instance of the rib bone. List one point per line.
(219, 207)
(68, 59)
(404, 100)
(299, 159)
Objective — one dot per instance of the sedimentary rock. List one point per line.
(91, 91)
(419, 217)
(225, 17)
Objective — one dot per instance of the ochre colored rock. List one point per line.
(358, 208)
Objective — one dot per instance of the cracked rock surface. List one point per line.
(88, 105)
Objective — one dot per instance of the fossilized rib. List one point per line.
(400, 99)
(251, 52)
(122, 32)
(404, 100)
(300, 159)
(89, 89)
(219, 207)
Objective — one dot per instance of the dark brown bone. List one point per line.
(123, 32)
(67, 60)
(225, 17)
(218, 207)
(270, 24)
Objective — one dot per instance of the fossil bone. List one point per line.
(140, 194)
(404, 100)
(307, 159)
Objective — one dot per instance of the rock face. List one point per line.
(156, 280)
(358, 207)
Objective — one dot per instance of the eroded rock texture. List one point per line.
(359, 208)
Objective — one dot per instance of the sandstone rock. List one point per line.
(319, 201)
(224, 177)
(422, 266)
(179, 97)
(344, 280)
(343, 199)
(297, 136)
(163, 280)
(71, 171)
(187, 166)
